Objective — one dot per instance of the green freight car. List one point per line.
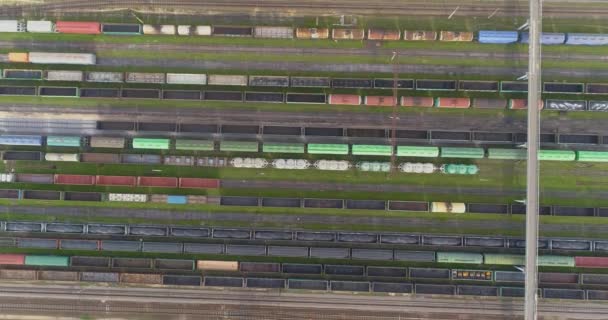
(63, 141)
(592, 156)
(371, 150)
(507, 154)
(239, 146)
(555, 261)
(194, 145)
(556, 155)
(418, 152)
(504, 259)
(466, 153)
(58, 261)
(276, 147)
(459, 257)
(322, 148)
(149, 143)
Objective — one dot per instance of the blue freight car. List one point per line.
(491, 36)
(588, 39)
(546, 38)
(21, 140)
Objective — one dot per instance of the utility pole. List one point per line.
(532, 193)
(394, 59)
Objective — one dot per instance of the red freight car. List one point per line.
(8, 258)
(79, 27)
(518, 104)
(459, 103)
(385, 101)
(199, 183)
(74, 179)
(116, 181)
(349, 99)
(591, 262)
(157, 182)
(428, 102)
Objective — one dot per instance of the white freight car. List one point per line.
(63, 75)
(40, 26)
(101, 76)
(12, 26)
(62, 58)
(187, 78)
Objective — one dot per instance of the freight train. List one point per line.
(281, 32)
(275, 147)
(270, 275)
(489, 259)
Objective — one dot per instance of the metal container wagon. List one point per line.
(459, 257)
(232, 31)
(239, 146)
(63, 141)
(273, 32)
(325, 148)
(344, 99)
(489, 103)
(107, 142)
(448, 207)
(18, 57)
(371, 150)
(461, 152)
(127, 197)
(62, 157)
(64, 75)
(121, 29)
(39, 26)
(417, 151)
(348, 34)
(520, 104)
(281, 147)
(187, 78)
(592, 156)
(78, 27)
(102, 76)
(507, 154)
(555, 261)
(149, 143)
(215, 265)
(12, 26)
(185, 30)
(12, 259)
(383, 101)
(145, 77)
(21, 140)
(504, 259)
(269, 81)
(227, 80)
(50, 261)
(587, 39)
(556, 155)
(584, 262)
(427, 102)
(456, 36)
(382, 34)
(195, 145)
(500, 37)
(458, 103)
(546, 38)
(164, 29)
(202, 31)
(417, 35)
(312, 33)
(62, 58)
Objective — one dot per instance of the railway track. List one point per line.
(111, 300)
(430, 8)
